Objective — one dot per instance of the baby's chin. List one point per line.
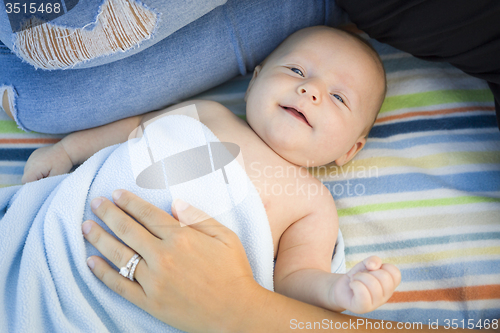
(305, 161)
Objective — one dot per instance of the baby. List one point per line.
(311, 102)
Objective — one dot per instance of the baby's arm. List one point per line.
(75, 148)
(304, 261)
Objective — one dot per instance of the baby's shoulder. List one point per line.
(209, 109)
(318, 197)
(222, 121)
(206, 110)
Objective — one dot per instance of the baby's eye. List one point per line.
(296, 70)
(338, 97)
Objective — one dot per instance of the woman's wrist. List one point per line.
(267, 311)
(246, 310)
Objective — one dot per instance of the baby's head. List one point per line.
(315, 98)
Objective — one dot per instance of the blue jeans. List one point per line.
(229, 40)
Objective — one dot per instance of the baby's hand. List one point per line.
(47, 162)
(366, 286)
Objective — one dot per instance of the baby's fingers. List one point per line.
(32, 175)
(373, 286)
(386, 281)
(27, 178)
(362, 300)
(394, 272)
(370, 263)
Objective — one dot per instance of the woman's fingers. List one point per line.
(186, 268)
(132, 233)
(199, 220)
(151, 217)
(111, 248)
(129, 290)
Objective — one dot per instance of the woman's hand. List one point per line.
(45, 162)
(196, 277)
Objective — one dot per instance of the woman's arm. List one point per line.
(197, 278)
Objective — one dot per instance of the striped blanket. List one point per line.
(424, 193)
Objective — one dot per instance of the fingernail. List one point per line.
(96, 202)
(90, 263)
(180, 205)
(86, 226)
(116, 195)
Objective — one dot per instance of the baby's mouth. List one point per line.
(297, 114)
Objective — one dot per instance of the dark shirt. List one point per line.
(465, 33)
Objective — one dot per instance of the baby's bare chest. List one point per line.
(286, 190)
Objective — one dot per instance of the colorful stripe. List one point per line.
(418, 225)
(21, 154)
(408, 115)
(413, 243)
(414, 204)
(412, 182)
(443, 137)
(371, 166)
(37, 141)
(461, 294)
(420, 125)
(435, 98)
(459, 269)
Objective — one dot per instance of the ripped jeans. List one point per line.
(105, 60)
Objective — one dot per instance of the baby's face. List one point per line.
(315, 96)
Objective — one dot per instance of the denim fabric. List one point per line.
(171, 16)
(230, 40)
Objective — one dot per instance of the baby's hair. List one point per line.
(379, 61)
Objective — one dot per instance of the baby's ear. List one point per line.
(255, 73)
(352, 152)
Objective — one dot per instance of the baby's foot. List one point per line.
(368, 285)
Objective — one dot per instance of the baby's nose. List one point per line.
(314, 95)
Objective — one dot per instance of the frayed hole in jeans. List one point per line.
(120, 25)
(4, 92)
